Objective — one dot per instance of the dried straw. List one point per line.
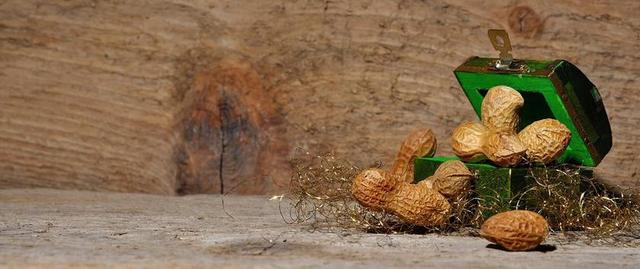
(320, 194)
(578, 207)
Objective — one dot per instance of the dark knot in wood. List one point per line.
(524, 21)
(230, 132)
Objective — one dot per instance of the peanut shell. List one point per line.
(452, 179)
(372, 188)
(504, 149)
(419, 143)
(500, 109)
(545, 140)
(516, 230)
(467, 140)
(427, 182)
(417, 204)
(420, 205)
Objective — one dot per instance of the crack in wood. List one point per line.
(224, 113)
(229, 133)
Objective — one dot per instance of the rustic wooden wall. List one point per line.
(173, 96)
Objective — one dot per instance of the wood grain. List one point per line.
(104, 95)
(78, 229)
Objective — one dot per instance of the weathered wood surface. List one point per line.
(172, 96)
(74, 229)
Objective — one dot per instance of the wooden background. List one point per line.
(173, 96)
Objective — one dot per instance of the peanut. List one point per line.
(372, 187)
(419, 143)
(545, 140)
(500, 109)
(504, 149)
(496, 138)
(467, 141)
(516, 230)
(418, 204)
(451, 179)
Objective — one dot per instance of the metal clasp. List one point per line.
(500, 41)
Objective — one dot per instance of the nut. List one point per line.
(545, 140)
(419, 143)
(418, 204)
(371, 188)
(500, 109)
(414, 203)
(504, 149)
(516, 230)
(452, 179)
(496, 139)
(467, 140)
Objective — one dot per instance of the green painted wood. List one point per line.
(499, 188)
(551, 89)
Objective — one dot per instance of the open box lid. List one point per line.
(551, 89)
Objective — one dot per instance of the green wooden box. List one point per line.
(500, 189)
(551, 89)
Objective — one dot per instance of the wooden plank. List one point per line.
(73, 229)
(173, 96)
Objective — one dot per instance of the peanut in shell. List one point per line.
(504, 149)
(420, 205)
(372, 188)
(516, 230)
(417, 204)
(467, 140)
(419, 143)
(452, 179)
(545, 140)
(500, 109)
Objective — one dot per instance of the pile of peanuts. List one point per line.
(496, 139)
